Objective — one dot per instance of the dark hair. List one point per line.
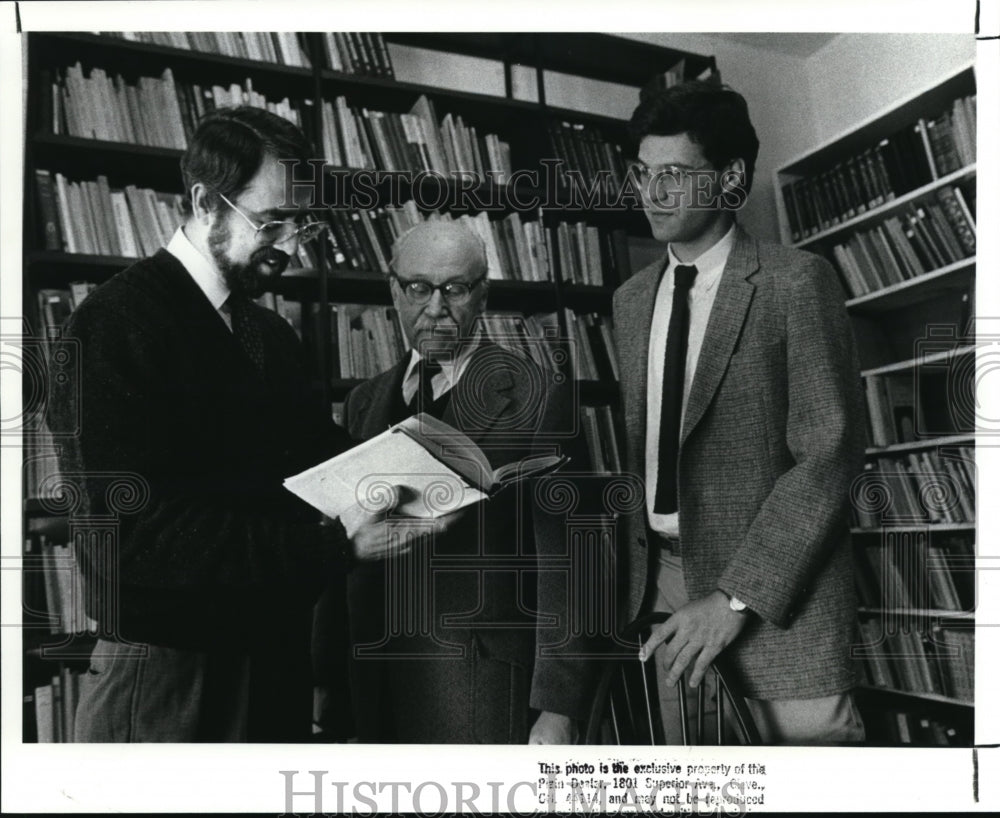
(713, 116)
(230, 145)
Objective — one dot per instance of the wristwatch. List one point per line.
(737, 605)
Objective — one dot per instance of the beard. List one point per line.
(251, 278)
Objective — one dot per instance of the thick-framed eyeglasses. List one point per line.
(418, 291)
(278, 232)
(664, 176)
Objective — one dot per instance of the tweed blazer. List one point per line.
(508, 407)
(772, 437)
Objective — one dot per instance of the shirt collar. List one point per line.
(199, 268)
(451, 370)
(710, 263)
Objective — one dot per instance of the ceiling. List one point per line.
(799, 44)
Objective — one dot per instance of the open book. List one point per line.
(441, 469)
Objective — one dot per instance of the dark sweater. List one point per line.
(219, 555)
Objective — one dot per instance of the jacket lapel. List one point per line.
(724, 326)
(375, 409)
(490, 401)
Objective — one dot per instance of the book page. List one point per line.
(431, 489)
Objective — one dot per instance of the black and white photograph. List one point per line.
(404, 411)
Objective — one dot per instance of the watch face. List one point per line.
(736, 605)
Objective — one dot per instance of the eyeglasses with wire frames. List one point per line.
(418, 291)
(664, 176)
(278, 232)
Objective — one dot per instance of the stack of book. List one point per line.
(589, 255)
(600, 431)
(414, 141)
(920, 488)
(533, 336)
(282, 47)
(592, 346)
(915, 573)
(55, 707)
(358, 53)
(367, 340)
(158, 112)
(92, 217)
(916, 155)
(893, 407)
(925, 236)
(938, 661)
(586, 155)
(63, 586)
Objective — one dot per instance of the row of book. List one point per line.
(893, 407)
(592, 346)
(53, 591)
(914, 156)
(921, 238)
(516, 249)
(55, 707)
(93, 217)
(925, 488)
(934, 660)
(155, 111)
(912, 573)
(282, 47)
(358, 53)
(367, 340)
(348, 52)
(600, 433)
(584, 149)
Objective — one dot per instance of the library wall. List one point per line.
(856, 76)
(771, 82)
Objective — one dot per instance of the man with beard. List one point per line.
(198, 398)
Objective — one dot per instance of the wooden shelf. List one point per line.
(916, 445)
(936, 527)
(957, 276)
(887, 209)
(932, 358)
(919, 613)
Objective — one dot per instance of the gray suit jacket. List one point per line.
(772, 437)
(506, 405)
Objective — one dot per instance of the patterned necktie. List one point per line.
(424, 396)
(247, 330)
(673, 391)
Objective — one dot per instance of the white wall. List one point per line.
(857, 75)
(795, 102)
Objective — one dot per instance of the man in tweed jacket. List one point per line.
(750, 552)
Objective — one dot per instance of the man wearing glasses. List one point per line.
(199, 398)
(743, 413)
(447, 647)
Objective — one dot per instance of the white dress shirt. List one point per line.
(203, 271)
(710, 265)
(451, 371)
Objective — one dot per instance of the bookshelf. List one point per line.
(890, 203)
(330, 84)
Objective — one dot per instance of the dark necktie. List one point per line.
(673, 391)
(424, 397)
(247, 330)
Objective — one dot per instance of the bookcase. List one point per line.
(108, 117)
(891, 203)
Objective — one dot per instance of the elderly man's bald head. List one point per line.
(447, 242)
(439, 254)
